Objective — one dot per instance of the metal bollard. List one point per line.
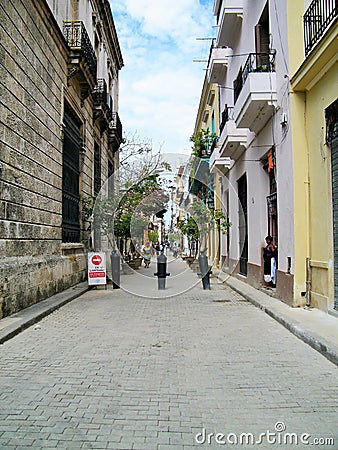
(115, 268)
(161, 270)
(204, 270)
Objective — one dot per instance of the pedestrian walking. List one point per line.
(146, 253)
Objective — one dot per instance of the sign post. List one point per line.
(97, 272)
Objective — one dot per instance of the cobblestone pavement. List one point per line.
(118, 371)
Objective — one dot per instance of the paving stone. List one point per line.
(111, 370)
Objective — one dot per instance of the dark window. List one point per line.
(331, 115)
(243, 226)
(70, 177)
(262, 39)
(97, 169)
(110, 178)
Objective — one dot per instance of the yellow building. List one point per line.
(208, 119)
(313, 53)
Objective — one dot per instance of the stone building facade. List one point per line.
(60, 134)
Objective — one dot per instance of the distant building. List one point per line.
(60, 136)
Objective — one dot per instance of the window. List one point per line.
(97, 169)
(70, 177)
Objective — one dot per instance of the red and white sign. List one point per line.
(97, 273)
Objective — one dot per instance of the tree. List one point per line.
(190, 229)
(138, 159)
(153, 236)
(124, 213)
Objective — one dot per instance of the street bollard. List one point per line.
(204, 270)
(115, 268)
(161, 270)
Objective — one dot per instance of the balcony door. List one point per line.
(243, 225)
(262, 39)
(331, 116)
(334, 165)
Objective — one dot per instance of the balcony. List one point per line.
(218, 162)
(115, 130)
(255, 92)
(229, 20)
(103, 104)
(218, 63)
(319, 16)
(233, 141)
(81, 60)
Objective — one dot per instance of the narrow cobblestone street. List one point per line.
(119, 371)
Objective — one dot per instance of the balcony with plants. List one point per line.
(255, 92)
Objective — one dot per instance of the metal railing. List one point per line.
(100, 91)
(213, 145)
(227, 114)
(102, 97)
(256, 62)
(77, 38)
(331, 117)
(115, 126)
(317, 18)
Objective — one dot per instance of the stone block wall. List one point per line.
(34, 262)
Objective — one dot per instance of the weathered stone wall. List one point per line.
(34, 263)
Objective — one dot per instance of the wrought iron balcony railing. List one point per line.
(115, 128)
(213, 145)
(317, 19)
(256, 62)
(77, 38)
(227, 114)
(100, 91)
(102, 99)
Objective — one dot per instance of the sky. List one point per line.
(160, 84)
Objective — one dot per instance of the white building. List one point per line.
(249, 62)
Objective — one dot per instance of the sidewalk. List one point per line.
(14, 324)
(315, 327)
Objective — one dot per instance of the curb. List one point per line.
(29, 316)
(316, 342)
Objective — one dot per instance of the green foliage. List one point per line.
(202, 141)
(125, 214)
(222, 221)
(190, 229)
(153, 236)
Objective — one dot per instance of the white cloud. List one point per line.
(160, 84)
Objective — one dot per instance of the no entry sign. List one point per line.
(97, 272)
